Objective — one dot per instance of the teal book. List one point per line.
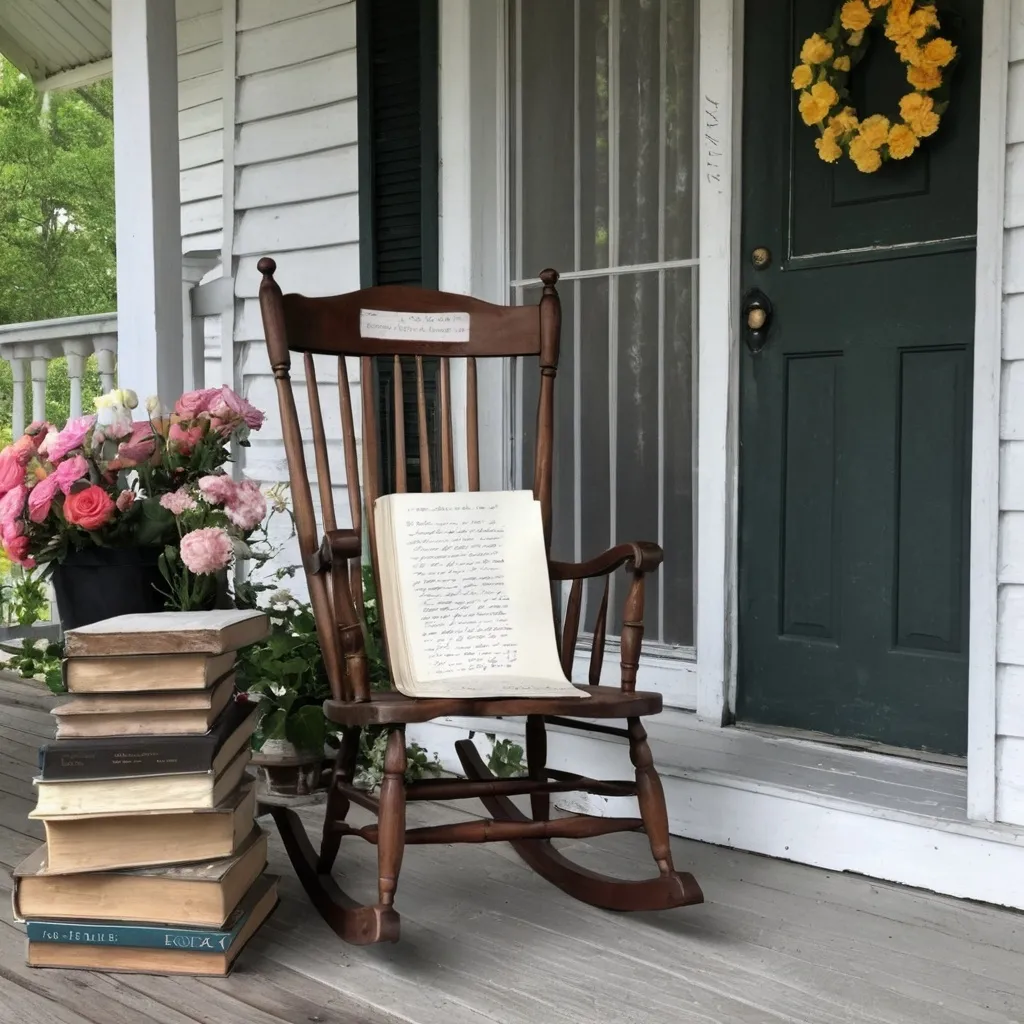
(148, 936)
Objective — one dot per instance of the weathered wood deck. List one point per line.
(484, 940)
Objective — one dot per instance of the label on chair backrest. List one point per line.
(390, 326)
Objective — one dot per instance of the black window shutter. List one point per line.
(398, 190)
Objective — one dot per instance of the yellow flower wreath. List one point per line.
(827, 58)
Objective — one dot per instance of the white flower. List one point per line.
(277, 689)
(281, 597)
(156, 408)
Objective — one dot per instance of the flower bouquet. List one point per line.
(111, 499)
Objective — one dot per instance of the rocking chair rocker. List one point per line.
(332, 560)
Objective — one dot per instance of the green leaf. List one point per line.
(306, 728)
(272, 726)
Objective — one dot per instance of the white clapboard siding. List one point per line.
(326, 271)
(295, 199)
(330, 172)
(201, 122)
(1010, 674)
(305, 131)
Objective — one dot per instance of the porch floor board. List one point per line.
(483, 939)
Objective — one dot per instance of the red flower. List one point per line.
(89, 508)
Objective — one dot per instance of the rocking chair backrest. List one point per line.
(332, 326)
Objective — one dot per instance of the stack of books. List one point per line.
(153, 861)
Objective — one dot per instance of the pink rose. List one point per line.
(125, 500)
(177, 501)
(138, 447)
(192, 403)
(24, 449)
(41, 497)
(70, 471)
(12, 472)
(44, 445)
(218, 489)
(229, 406)
(248, 508)
(12, 504)
(206, 551)
(89, 508)
(184, 439)
(72, 436)
(17, 550)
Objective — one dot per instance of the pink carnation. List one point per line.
(218, 489)
(177, 501)
(71, 437)
(44, 444)
(24, 449)
(70, 472)
(248, 508)
(125, 500)
(192, 403)
(12, 472)
(206, 551)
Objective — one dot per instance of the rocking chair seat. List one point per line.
(391, 707)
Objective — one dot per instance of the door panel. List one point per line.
(854, 418)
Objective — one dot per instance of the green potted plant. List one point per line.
(285, 674)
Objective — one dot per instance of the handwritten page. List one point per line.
(471, 577)
(390, 326)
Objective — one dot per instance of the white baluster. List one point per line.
(38, 370)
(18, 405)
(106, 356)
(76, 352)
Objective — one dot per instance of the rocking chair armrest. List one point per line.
(338, 558)
(645, 557)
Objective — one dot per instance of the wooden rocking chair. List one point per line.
(331, 326)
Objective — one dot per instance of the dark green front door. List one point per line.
(855, 417)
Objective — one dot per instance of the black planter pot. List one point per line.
(98, 583)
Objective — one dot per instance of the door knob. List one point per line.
(757, 317)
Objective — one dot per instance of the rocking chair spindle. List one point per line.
(332, 557)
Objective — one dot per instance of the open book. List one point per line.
(465, 596)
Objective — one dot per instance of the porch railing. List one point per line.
(29, 347)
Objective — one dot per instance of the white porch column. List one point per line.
(18, 403)
(146, 189)
(76, 352)
(39, 365)
(194, 267)
(106, 358)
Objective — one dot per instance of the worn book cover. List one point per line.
(213, 632)
(118, 757)
(146, 673)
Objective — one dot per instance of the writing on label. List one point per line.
(385, 325)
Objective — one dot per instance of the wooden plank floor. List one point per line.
(484, 940)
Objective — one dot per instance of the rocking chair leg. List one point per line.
(650, 796)
(391, 835)
(338, 803)
(536, 760)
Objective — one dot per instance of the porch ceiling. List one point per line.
(44, 37)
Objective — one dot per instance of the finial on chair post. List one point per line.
(549, 278)
(267, 266)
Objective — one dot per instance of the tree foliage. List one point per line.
(57, 240)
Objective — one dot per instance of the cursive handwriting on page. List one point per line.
(458, 577)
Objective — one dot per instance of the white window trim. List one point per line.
(474, 258)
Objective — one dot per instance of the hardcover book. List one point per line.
(465, 595)
(90, 842)
(110, 757)
(196, 895)
(194, 791)
(140, 673)
(147, 714)
(184, 952)
(210, 633)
